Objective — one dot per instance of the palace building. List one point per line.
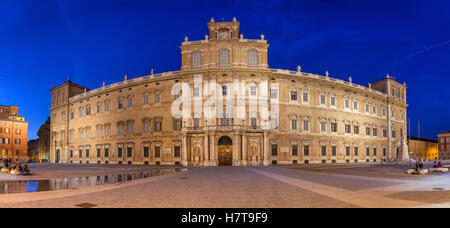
(13, 133)
(225, 106)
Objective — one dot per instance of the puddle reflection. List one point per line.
(8, 187)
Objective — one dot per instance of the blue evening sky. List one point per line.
(43, 42)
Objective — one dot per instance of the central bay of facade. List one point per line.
(225, 106)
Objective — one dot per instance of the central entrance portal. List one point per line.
(225, 151)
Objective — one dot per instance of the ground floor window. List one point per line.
(274, 149)
(106, 152)
(157, 151)
(129, 152)
(119, 152)
(177, 151)
(146, 152)
(306, 150)
(294, 150)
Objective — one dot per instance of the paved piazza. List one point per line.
(273, 186)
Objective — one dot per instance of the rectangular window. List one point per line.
(106, 130)
(356, 151)
(157, 126)
(333, 101)
(305, 97)
(224, 90)
(384, 151)
(177, 125)
(306, 125)
(306, 150)
(80, 153)
(99, 131)
(293, 95)
(146, 99)
(322, 99)
(333, 150)
(120, 104)
(367, 151)
(146, 152)
(157, 151)
(375, 132)
(367, 130)
(333, 127)
(196, 91)
(323, 126)
(375, 152)
(274, 93)
(177, 151)
(346, 103)
(347, 129)
(106, 152)
(157, 98)
(347, 151)
(71, 115)
(324, 150)
(356, 129)
(274, 149)
(99, 108)
(252, 90)
(254, 122)
(119, 152)
(146, 126)
(106, 106)
(196, 122)
(294, 150)
(71, 153)
(355, 105)
(130, 102)
(98, 153)
(129, 152)
(384, 133)
(294, 124)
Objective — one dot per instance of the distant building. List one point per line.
(44, 140)
(444, 145)
(424, 149)
(13, 133)
(33, 149)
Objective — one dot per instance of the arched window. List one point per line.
(224, 58)
(196, 60)
(252, 59)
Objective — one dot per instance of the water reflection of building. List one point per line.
(321, 119)
(13, 133)
(423, 149)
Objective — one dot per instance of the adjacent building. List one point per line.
(423, 149)
(13, 133)
(33, 149)
(225, 106)
(444, 145)
(44, 141)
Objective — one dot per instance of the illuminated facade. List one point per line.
(423, 149)
(13, 133)
(303, 118)
(444, 145)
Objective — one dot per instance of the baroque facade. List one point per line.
(307, 119)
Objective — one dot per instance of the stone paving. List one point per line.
(248, 187)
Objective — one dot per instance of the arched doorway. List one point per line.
(225, 151)
(57, 156)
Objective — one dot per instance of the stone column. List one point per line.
(266, 149)
(235, 150)
(184, 157)
(206, 150)
(244, 150)
(213, 150)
